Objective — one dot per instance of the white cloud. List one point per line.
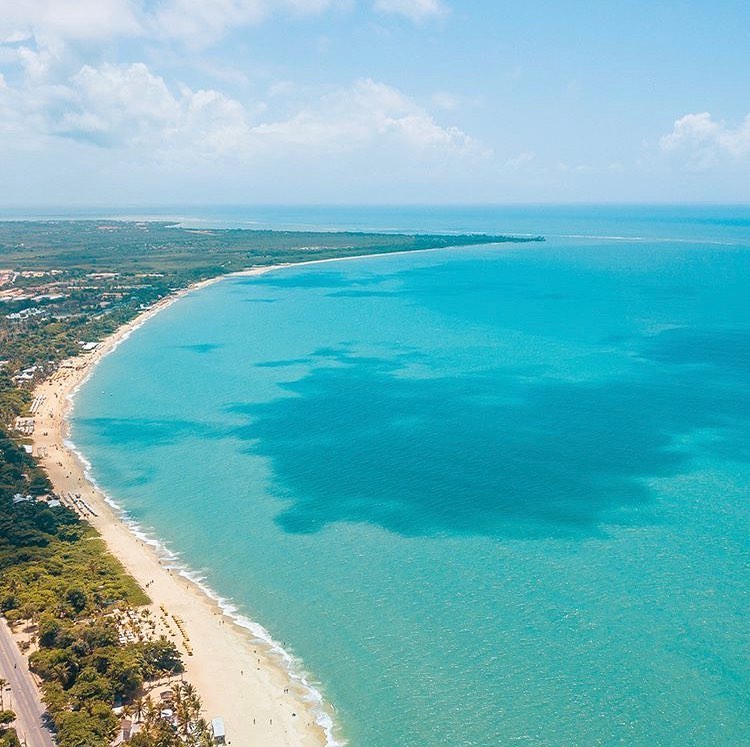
(202, 23)
(310, 7)
(452, 102)
(366, 114)
(65, 89)
(128, 107)
(52, 22)
(416, 10)
(119, 102)
(16, 36)
(18, 118)
(122, 107)
(37, 64)
(67, 19)
(705, 142)
(519, 162)
(218, 124)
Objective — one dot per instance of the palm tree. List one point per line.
(150, 718)
(192, 701)
(184, 717)
(177, 692)
(189, 690)
(139, 708)
(63, 672)
(201, 735)
(187, 706)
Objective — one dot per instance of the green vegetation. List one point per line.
(63, 284)
(59, 582)
(85, 668)
(68, 281)
(57, 579)
(189, 728)
(124, 246)
(8, 735)
(9, 738)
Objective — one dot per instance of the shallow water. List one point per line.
(486, 496)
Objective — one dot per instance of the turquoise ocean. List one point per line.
(484, 496)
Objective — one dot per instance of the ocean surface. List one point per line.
(484, 496)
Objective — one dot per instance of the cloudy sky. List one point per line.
(134, 102)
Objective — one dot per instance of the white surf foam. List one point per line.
(639, 239)
(171, 560)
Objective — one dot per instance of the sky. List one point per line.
(167, 102)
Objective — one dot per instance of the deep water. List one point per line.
(487, 496)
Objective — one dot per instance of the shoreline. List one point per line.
(241, 674)
(271, 700)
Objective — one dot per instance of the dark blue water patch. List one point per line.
(482, 455)
(323, 279)
(147, 433)
(363, 294)
(721, 349)
(202, 347)
(343, 354)
(285, 363)
(340, 353)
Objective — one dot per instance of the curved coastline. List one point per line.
(280, 668)
(281, 675)
(254, 631)
(170, 559)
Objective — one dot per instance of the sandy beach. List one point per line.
(238, 677)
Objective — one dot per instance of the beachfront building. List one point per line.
(217, 728)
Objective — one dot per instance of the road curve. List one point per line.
(23, 696)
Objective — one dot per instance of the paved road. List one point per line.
(23, 696)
